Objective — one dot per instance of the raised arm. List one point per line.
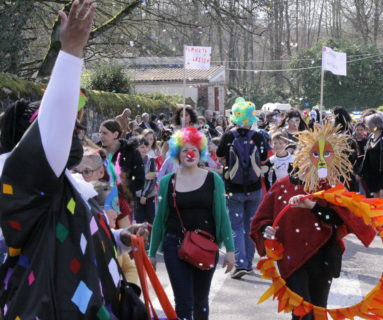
(58, 110)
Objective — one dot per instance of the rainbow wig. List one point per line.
(191, 135)
(243, 113)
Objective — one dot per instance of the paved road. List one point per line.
(237, 299)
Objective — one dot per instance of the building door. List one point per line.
(216, 99)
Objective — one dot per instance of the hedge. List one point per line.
(106, 103)
(111, 104)
(13, 88)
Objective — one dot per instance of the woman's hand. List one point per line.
(143, 201)
(228, 261)
(298, 202)
(153, 261)
(269, 233)
(150, 175)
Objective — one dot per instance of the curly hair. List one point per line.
(188, 135)
(190, 111)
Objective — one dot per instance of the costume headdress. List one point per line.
(191, 135)
(322, 156)
(243, 113)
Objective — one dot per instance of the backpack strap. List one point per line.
(235, 133)
(250, 134)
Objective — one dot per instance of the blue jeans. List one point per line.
(191, 286)
(242, 208)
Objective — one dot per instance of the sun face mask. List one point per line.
(322, 156)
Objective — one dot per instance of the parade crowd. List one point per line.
(71, 198)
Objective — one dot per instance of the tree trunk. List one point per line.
(55, 45)
(288, 31)
(377, 13)
(320, 21)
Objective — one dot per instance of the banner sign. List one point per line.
(335, 62)
(197, 58)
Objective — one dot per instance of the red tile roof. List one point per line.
(173, 74)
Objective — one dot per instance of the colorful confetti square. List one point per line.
(71, 205)
(31, 278)
(103, 314)
(82, 296)
(14, 224)
(61, 232)
(75, 265)
(103, 226)
(7, 189)
(113, 270)
(13, 252)
(93, 226)
(83, 243)
(23, 261)
(7, 277)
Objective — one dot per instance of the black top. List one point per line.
(224, 151)
(373, 162)
(131, 163)
(196, 208)
(361, 145)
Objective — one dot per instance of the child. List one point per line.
(145, 206)
(212, 160)
(93, 170)
(278, 163)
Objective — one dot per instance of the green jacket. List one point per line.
(221, 217)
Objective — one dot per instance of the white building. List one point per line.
(205, 87)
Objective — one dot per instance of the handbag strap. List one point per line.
(175, 202)
(144, 270)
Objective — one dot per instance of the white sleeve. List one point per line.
(58, 110)
(120, 246)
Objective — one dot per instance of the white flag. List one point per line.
(333, 61)
(198, 58)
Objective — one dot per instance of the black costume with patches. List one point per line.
(62, 262)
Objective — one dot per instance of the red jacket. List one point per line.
(300, 231)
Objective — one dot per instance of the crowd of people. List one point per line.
(70, 198)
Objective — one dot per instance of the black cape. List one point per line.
(62, 257)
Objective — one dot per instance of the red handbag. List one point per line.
(198, 247)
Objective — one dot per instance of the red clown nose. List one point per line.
(190, 155)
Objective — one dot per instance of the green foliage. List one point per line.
(106, 103)
(360, 89)
(107, 76)
(380, 108)
(111, 104)
(13, 88)
(171, 99)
